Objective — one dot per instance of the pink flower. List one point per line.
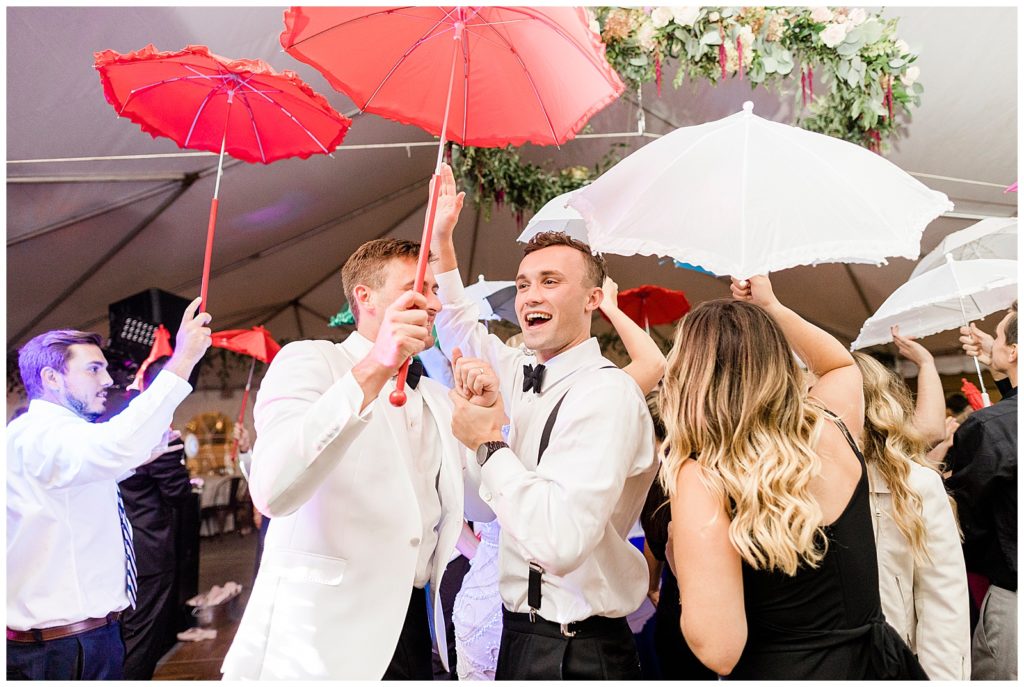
(857, 16)
(820, 15)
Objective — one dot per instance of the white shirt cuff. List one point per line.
(170, 386)
(449, 286)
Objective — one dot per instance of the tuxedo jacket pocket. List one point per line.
(301, 566)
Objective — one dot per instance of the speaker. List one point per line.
(133, 323)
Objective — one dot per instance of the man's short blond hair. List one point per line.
(367, 265)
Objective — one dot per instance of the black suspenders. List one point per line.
(533, 598)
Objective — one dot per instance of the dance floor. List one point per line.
(221, 559)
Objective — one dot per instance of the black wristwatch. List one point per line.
(487, 449)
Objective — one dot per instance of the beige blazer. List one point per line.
(927, 604)
(333, 587)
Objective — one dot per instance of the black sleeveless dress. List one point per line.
(825, 623)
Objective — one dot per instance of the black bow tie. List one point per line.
(415, 372)
(533, 377)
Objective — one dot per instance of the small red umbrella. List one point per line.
(972, 394)
(257, 343)
(161, 347)
(207, 102)
(649, 304)
(514, 75)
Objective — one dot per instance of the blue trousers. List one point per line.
(94, 655)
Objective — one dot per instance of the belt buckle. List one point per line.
(566, 632)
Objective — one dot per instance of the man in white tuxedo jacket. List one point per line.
(367, 499)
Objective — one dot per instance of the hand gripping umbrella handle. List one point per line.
(398, 396)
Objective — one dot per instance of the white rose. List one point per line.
(913, 72)
(833, 35)
(820, 15)
(714, 16)
(902, 47)
(595, 27)
(857, 16)
(645, 36)
(685, 16)
(661, 16)
(746, 36)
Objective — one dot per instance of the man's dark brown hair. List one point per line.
(596, 267)
(366, 266)
(1011, 326)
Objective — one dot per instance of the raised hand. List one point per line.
(449, 206)
(192, 341)
(756, 290)
(475, 381)
(911, 349)
(403, 332)
(611, 296)
(977, 343)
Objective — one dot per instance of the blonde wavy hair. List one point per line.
(733, 398)
(891, 444)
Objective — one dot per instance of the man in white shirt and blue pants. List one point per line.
(568, 574)
(70, 560)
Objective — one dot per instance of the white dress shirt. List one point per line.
(571, 514)
(65, 553)
(425, 466)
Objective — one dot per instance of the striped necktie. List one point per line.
(131, 574)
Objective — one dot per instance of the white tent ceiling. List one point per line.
(73, 246)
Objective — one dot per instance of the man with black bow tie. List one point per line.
(366, 498)
(570, 479)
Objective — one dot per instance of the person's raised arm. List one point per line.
(930, 409)
(458, 322)
(839, 383)
(647, 362)
(449, 206)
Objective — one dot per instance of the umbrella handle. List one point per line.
(208, 258)
(212, 226)
(398, 396)
(241, 411)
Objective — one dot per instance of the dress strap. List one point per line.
(846, 433)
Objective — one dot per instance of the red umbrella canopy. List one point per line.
(197, 99)
(161, 347)
(972, 394)
(522, 74)
(649, 304)
(255, 342)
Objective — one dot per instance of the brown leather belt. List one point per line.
(62, 631)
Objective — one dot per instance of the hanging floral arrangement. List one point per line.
(857, 80)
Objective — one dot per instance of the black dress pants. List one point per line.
(148, 629)
(602, 649)
(413, 655)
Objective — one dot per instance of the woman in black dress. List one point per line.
(771, 525)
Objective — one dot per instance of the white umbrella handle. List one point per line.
(963, 312)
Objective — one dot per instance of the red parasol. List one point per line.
(649, 304)
(161, 347)
(514, 74)
(189, 96)
(972, 394)
(257, 343)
